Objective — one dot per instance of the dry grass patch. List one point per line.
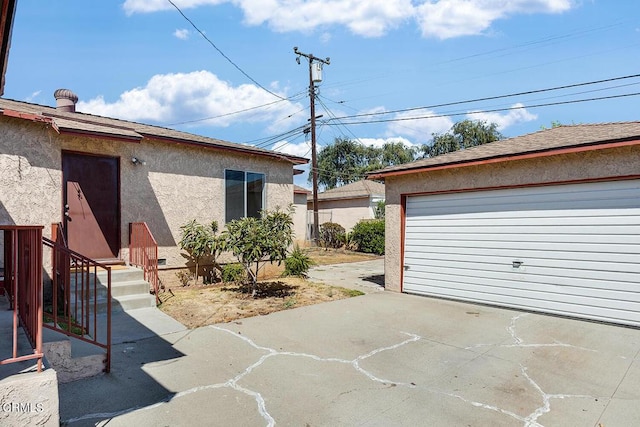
(201, 305)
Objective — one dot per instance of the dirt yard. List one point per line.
(200, 305)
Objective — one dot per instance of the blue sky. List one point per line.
(141, 60)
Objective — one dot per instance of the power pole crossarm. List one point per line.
(314, 158)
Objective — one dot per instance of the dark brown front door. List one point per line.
(91, 204)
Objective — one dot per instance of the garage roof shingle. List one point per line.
(548, 140)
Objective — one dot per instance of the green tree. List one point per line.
(464, 134)
(346, 161)
(340, 163)
(200, 241)
(256, 241)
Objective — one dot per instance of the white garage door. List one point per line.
(566, 249)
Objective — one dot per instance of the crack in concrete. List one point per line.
(519, 342)
(530, 420)
(233, 382)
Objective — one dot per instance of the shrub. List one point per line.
(233, 273)
(297, 263)
(368, 235)
(331, 235)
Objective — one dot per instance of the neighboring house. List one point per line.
(300, 216)
(96, 175)
(547, 222)
(348, 204)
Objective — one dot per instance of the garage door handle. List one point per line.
(406, 268)
(517, 264)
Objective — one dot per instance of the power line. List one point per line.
(291, 98)
(433, 116)
(222, 53)
(488, 98)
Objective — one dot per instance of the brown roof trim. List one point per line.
(105, 127)
(239, 149)
(6, 26)
(523, 156)
(101, 135)
(29, 116)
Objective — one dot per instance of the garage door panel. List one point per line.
(521, 230)
(550, 238)
(530, 274)
(627, 295)
(543, 300)
(444, 245)
(553, 258)
(593, 195)
(568, 309)
(579, 245)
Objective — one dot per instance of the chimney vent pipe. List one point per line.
(65, 100)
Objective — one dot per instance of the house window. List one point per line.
(244, 194)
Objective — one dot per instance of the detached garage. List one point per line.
(547, 222)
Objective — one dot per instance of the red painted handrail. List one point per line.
(23, 284)
(143, 253)
(76, 292)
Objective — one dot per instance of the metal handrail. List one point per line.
(76, 290)
(143, 253)
(23, 271)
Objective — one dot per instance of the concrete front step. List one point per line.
(129, 290)
(71, 358)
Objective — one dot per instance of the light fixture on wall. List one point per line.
(137, 161)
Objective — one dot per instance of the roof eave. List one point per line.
(6, 26)
(507, 158)
(292, 159)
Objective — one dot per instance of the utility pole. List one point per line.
(314, 158)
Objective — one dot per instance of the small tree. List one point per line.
(256, 241)
(200, 241)
(331, 235)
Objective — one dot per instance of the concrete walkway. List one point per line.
(365, 276)
(382, 359)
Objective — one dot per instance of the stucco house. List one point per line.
(548, 221)
(348, 204)
(96, 175)
(300, 195)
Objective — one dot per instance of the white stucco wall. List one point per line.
(177, 184)
(300, 217)
(618, 162)
(346, 212)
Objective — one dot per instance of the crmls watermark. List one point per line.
(21, 407)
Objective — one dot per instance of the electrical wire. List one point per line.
(222, 53)
(489, 98)
(549, 104)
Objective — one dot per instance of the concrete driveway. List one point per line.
(382, 359)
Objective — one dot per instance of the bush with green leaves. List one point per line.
(200, 241)
(256, 241)
(297, 263)
(233, 273)
(331, 235)
(368, 236)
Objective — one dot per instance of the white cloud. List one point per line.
(302, 149)
(518, 114)
(371, 18)
(419, 129)
(33, 96)
(173, 98)
(454, 18)
(182, 34)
